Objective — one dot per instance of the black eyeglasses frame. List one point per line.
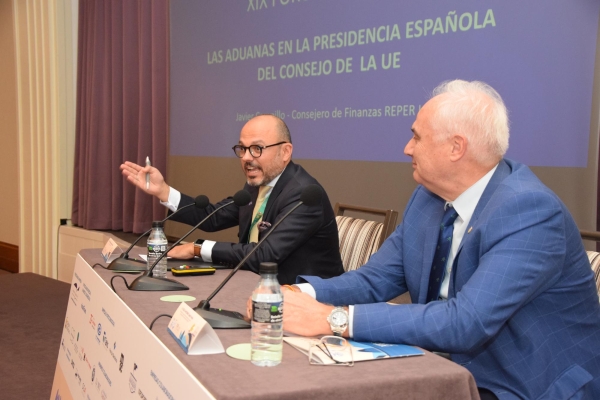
(243, 149)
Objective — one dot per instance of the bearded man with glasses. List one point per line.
(305, 243)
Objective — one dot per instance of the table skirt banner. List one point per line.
(107, 352)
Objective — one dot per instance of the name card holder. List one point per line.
(111, 251)
(193, 333)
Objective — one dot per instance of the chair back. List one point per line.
(360, 238)
(594, 258)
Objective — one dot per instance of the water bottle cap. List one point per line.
(157, 224)
(267, 268)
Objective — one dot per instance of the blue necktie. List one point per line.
(438, 268)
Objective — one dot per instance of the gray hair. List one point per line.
(477, 111)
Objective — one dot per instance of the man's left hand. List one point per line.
(302, 315)
(182, 252)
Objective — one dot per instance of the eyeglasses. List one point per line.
(331, 350)
(255, 150)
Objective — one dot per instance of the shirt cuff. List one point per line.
(308, 289)
(173, 199)
(350, 321)
(206, 250)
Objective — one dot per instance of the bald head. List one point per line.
(272, 135)
(280, 127)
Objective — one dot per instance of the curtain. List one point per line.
(122, 110)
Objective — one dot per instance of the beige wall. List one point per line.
(9, 150)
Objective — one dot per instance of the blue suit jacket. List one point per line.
(522, 315)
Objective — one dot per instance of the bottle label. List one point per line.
(157, 248)
(268, 313)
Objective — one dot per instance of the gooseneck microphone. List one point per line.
(223, 319)
(149, 283)
(126, 264)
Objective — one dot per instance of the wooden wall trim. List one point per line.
(9, 257)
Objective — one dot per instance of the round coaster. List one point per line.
(177, 298)
(240, 351)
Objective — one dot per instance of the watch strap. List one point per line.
(198, 247)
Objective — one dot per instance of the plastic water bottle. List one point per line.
(157, 245)
(267, 318)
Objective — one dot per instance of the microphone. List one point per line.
(223, 319)
(126, 264)
(149, 283)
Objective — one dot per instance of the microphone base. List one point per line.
(146, 283)
(127, 265)
(222, 319)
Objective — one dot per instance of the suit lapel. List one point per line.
(500, 174)
(285, 177)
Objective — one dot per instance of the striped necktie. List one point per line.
(438, 268)
(257, 213)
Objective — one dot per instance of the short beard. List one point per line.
(267, 176)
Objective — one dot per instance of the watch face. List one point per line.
(339, 318)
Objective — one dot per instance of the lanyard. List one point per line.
(258, 216)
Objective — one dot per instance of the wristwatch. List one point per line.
(338, 320)
(198, 247)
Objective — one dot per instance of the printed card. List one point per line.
(111, 251)
(193, 333)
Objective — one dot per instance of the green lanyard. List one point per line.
(258, 216)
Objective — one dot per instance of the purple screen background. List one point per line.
(539, 56)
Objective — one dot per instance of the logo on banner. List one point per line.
(112, 353)
(132, 383)
(132, 380)
(105, 340)
(141, 395)
(87, 360)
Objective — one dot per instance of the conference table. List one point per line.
(422, 377)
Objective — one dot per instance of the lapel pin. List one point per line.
(470, 229)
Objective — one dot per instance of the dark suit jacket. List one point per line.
(306, 242)
(522, 314)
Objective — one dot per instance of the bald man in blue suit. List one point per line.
(516, 303)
